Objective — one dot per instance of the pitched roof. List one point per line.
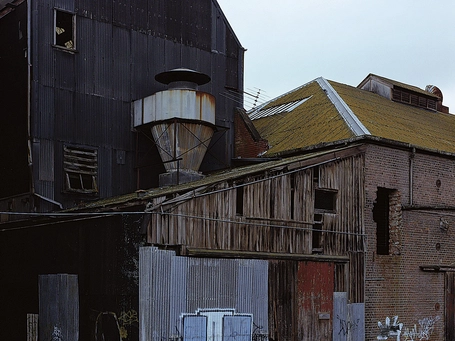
(321, 120)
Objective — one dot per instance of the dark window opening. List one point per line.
(239, 201)
(64, 29)
(81, 168)
(292, 179)
(325, 200)
(381, 212)
(316, 174)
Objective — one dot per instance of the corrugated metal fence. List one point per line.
(172, 286)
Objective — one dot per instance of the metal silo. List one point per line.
(182, 121)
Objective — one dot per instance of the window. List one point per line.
(65, 29)
(81, 168)
(292, 185)
(239, 200)
(381, 217)
(325, 200)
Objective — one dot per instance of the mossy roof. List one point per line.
(318, 121)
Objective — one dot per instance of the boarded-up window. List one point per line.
(81, 168)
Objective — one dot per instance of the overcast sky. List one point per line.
(291, 42)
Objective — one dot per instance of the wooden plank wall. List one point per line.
(266, 223)
(32, 327)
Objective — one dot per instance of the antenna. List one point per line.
(250, 98)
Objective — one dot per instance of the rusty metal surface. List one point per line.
(315, 297)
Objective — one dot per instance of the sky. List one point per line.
(291, 42)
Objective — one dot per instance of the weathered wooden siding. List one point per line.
(266, 224)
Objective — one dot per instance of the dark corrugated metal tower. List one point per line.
(88, 62)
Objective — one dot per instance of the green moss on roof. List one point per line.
(400, 122)
(317, 121)
(313, 122)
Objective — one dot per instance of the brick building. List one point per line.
(408, 212)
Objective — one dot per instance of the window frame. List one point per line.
(80, 162)
(334, 195)
(73, 30)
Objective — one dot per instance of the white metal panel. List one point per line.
(149, 109)
(195, 328)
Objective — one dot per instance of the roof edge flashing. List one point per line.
(346, 113)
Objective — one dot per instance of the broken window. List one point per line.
(386, 214)
(65, 29)
(81, 168)
(325, 200)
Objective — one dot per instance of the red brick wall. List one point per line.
(394, 284)
(246, 146)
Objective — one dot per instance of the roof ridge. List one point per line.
(346, 113)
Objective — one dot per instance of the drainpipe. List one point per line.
(411, 176)
(29, 95)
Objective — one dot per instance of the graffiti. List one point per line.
(347, 326)
(128, 318)
(426, 327)
(107, 327)
(423, 332)
(386, 330)
(259, 334)
(57, 334)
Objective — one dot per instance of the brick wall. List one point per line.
(395, 285)
(248, 143)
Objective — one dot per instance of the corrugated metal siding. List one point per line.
(58, 307)
(85, 97)
(171, 286)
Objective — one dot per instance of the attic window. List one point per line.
(65, 29)
(81, 168)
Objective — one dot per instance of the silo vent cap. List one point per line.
(182, 75)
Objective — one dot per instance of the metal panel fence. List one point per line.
(348, 319)
(172, 287)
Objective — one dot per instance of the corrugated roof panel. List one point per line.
(278, 109)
